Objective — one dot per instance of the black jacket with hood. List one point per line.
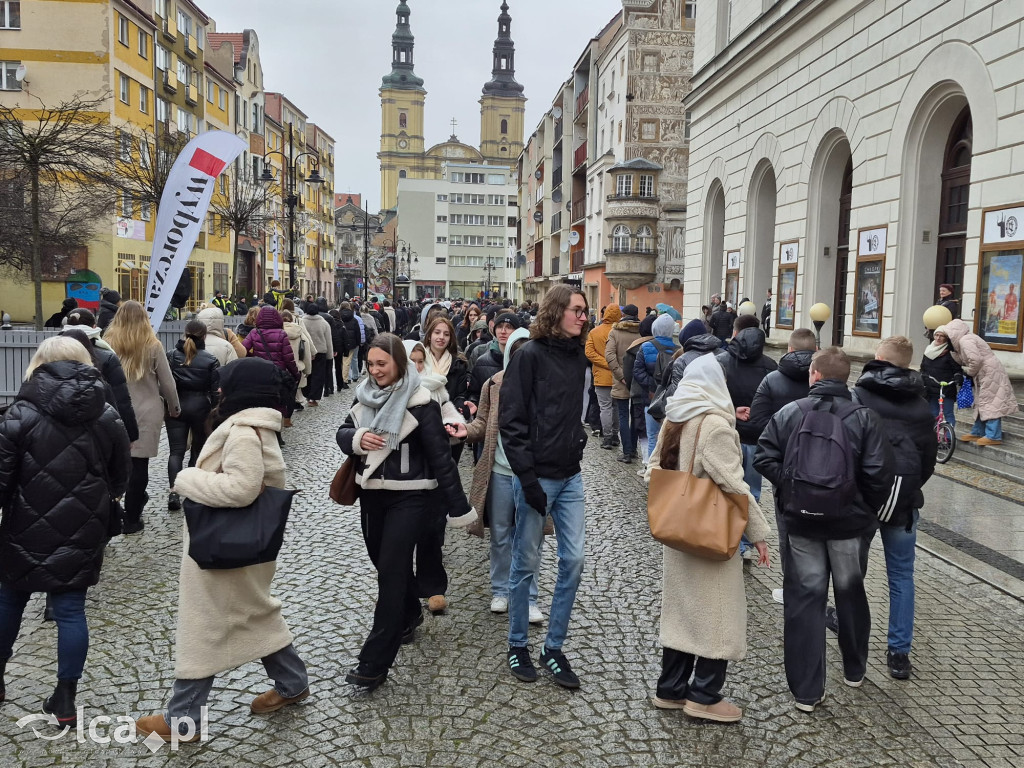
(897, 395)
(721, 323)
(108, 308)
(745, 366)
(781, 387)
(693, 348)
(872, 456)
(351, 335)
(64, 454)
(541, 403)
(489, 363)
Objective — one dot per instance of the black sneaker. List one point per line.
(366, 679)
(831, 619)
(409, 635)
(899, 665)
(558, 665)
(134, 527)
(174, 502)
(520, 664)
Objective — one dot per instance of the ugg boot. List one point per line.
(3, 688)
(62, 703)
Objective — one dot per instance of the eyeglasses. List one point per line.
(580, 313)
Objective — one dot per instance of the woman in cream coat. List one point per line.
(227, 618)
(703, 602)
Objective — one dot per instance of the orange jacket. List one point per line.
(596, 342)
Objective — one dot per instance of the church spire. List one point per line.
(402, 76)
(503, 75)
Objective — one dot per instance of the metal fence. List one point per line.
(18, 345)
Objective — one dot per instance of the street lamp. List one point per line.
(489, 269)
(290, 165)
(819, 314)
(366, 247)
(392, 248)
(936, 316)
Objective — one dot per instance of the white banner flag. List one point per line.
(183, 206)
(275, 245)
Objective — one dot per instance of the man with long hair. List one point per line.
(541, 400)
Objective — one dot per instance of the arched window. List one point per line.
(620, 238)
(402, 174)
(504, 127)
(403, 120)
(644, 239)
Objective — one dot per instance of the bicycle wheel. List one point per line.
(947, 442)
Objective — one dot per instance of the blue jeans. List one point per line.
(948, 407)
(753, 479)
(565, 505)
(899, 546)
(501, 516)
(653, 428)
(990, 428)
(72, 628)
(627, 434)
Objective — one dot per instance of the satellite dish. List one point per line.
(538, 216)
(556, 196)
(20, 73)
(556, 113)
(538, 174)
(574, 237)
(564, 248)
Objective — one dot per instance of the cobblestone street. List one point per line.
(450, 700)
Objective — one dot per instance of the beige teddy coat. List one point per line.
(227, 618)
(993, 392)
(703, 602)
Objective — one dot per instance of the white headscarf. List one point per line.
(434, 383)
(701, 391)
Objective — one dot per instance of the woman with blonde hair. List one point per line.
(63, 458)
(703, 602)
(154, 395)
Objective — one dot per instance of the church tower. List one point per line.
(402, 99)
(503, 105)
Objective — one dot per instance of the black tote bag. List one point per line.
(236, 537)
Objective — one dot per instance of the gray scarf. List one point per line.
(389, 404)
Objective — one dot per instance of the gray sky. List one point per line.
(328, 56)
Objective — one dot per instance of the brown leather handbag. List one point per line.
(693, 515)
(343, 487)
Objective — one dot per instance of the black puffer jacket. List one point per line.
(897, 395)
(872, 457)
(693, 348)
(422, 461)
(541, 403)
(107, 311)
(351, 333)
(721, 323)
(58, 441)
(745, 366)
(197, 383)
(458, 381)
(113, 374)
(942, 368)
(488, 364)
(780, 388)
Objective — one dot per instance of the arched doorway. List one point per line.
(714, 241)
(760, 251)
(956, 186)
(842, 256)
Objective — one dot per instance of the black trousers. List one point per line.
(135, 496)
(677, 668)
(391, 522)
(809, 564)
(431, 576)
(314, 389)
(339, 371)
(177, 440)
(329, 376)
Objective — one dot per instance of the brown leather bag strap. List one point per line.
(696, 442)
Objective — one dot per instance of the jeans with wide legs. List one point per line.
(677, 668)
(72, 627)
(135, 496)
(501, 516)
(805, 585)
(753, 479)
(899, 546)
(566, 507)
(355, 365)
(284, 667)
(604, 401)
(627, 432)
(990, 428)
(653, 429)
(391, 523)
(177, 442)
(948, 408)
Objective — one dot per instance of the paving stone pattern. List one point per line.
(450, 700)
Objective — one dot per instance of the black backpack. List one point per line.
(664, 361)
(818, 471)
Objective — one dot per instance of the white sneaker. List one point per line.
(777, 596)
(641, 471)
(499, 605)
(536, 617)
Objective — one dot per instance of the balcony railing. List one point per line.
(582, 100)
(556, 177)
(579, 157)
(620, 249)
(190, 95)
(634, 198)
(556, 265)
(558, 131)
(576, 260)
(556, 222)
(170, 29)
(579, 209)
(190, 46)
(170, 81)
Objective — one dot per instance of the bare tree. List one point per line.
(145, 162)
(63, 161)
(245, 209)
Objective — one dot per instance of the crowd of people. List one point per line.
(522, 386)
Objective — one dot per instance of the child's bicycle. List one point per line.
(945, 434)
